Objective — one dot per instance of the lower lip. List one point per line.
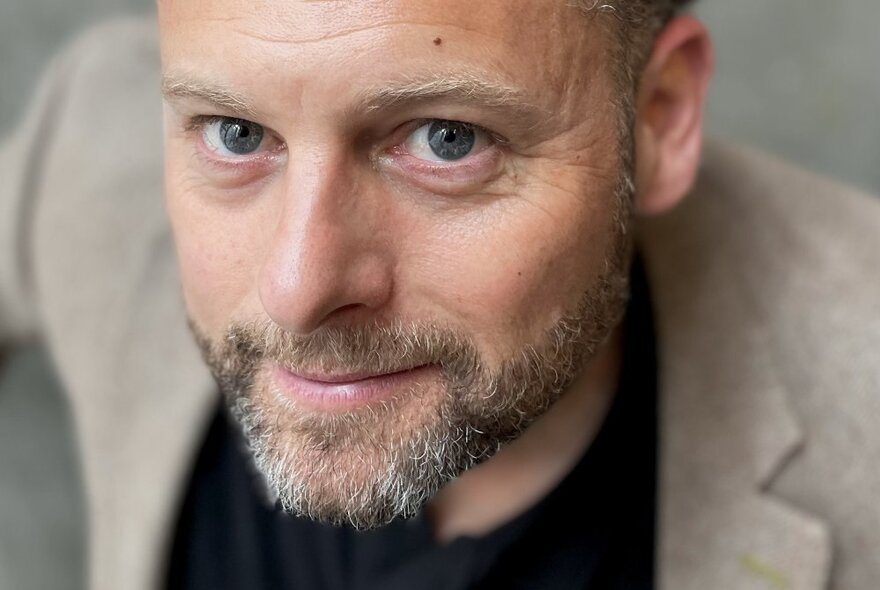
(347, 394)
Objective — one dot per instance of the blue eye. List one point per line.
(446, 141)
(233, 137)
(451, 140)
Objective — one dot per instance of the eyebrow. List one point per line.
(181, 86)
(458, 88)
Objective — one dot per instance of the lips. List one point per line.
(344, 378)
(345, 391)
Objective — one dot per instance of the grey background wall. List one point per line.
(798, 77)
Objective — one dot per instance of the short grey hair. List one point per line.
(634, 24)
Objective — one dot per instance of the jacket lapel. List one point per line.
(725, 423)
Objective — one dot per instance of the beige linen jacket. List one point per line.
(766, 286)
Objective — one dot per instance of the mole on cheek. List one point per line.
(438, 41)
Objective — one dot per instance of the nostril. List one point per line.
(348, 307)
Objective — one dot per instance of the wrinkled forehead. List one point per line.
(547, 46)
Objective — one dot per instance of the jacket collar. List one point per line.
(725, 427)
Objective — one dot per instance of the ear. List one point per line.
(669, 117)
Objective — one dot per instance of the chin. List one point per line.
(364, 467)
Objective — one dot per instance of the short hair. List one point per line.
(656, 12)
(635, 25)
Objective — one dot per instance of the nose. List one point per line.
(328, 258)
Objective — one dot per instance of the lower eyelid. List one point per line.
(239, 170)
(478, 169)
(482, 146)
(263, 154)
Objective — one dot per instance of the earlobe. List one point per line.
(669, 120)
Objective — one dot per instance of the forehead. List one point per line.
(547, 45)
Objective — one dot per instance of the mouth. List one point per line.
(340, 391)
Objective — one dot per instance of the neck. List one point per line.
(527, 469)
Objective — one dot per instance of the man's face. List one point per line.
(401, 229)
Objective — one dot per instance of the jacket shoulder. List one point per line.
(804, 251)
(817, 211)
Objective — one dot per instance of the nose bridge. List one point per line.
(314, 218)
(325, 254)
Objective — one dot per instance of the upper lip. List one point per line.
(345, 377)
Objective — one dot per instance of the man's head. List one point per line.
(404, 227)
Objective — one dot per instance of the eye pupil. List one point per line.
(241, 137)
(451, 140)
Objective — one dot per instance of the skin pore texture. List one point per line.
(341, 245)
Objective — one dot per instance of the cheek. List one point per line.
(510, 275)
(218, 247)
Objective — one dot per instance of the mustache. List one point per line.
(371, 348)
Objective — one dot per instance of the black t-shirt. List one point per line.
(595, 530)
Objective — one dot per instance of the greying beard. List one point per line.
(379, 462)
(404, 476)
